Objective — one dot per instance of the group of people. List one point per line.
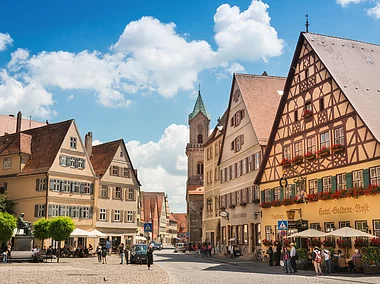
(101, 252)
(317, 257)
(80, 251)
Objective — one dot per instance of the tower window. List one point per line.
(200, 139)
(200, 168)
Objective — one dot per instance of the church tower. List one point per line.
(199, 124)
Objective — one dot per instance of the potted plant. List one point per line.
(375, 242)
(359, 243)
(323, 151)
(297, 159)
(243, 203)
(265, 205)
(310, 155)
(315, 242)
(276, 203)
(371, 260)
(337, 148)
(302, 261)
(285, 162)
(257, 201)
(344, 243)
(312, 197)
(329, 243)
(286, 201)
(307, 113)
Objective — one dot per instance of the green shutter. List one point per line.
(272, 194)
(293, 190)
(333, 184)
(281, 194)
(36, 210)
(348, 180)
(37, 184)
(320, 189)
(263, 196)
(366, 177)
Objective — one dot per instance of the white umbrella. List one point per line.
(347, 232)
(80, 233)
(310, 233)
(97, 234)
(139, 238)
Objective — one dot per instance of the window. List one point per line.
(104, 191)
(102, 214)
(216, 149)
(288, 192)
(298, 149)
(361, 226)
(237, 118)
(39, 210)
(296, 115)
(250, 194)
(313, 186)
(216, 174)
(244, 166)
(86, 212)
(80, 163)
(329, 227)
(341, 182)
(40, 184)
(311, 145)
(326, 184)
(76, 187)
(64, 211)
(115, 170)
(233, 171)
(55, 184)
(200, 139)
(250, 164)
(72, 162)
(121, 154)
(257, 160)
(321, 104)
(268, 233)
(244, 195)
(131, 194)
(126, 172)
(73, 142)
(66, 186)
(3, 187)
(75, 212)
(129, 216)
(300, 189)
(309, 107)
(238, 197)
(7, 163)
(256, 192)
(117, 215)
(374, 175)
(344, 224)
(268, 195)
(287, 152)
(277, 194)
(62, 161)
(325, 140)
(238, 169)
(339, 136)
(238, 144)
(315, 226)
(233, 198)
(118, 192)
(376, 228)
(86, 188)
(357, 178)
(222, 174)
(54, 210)
(200, 168)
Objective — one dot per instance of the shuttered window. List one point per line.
(341, 182)
(357, 179)
(102, 215)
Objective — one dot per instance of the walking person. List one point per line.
(317, 259)
(104, 255)
(327, 257)
(126, 253)
(121, 253)
(293, 256)
(99, 252)
(285, 257)
(270, 253)
(150, 256)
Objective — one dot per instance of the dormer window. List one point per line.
(73, 142)
(7, 163)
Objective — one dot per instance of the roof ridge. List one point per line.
(260, 76)
(109, 142)
(337, 37)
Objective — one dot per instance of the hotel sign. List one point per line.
(337, 210)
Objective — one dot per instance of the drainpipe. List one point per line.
(46, 200)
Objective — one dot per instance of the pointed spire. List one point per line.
(199, 106)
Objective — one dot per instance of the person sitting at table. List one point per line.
(355, 257)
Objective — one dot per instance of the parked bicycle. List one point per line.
(260, 256)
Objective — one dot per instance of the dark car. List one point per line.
(139, 253)
(157, 246)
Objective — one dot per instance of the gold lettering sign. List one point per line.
(344, 210)
(277, 216)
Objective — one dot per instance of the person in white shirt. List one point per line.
(293, 254)
(327, 255)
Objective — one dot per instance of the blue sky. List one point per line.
(130, 69)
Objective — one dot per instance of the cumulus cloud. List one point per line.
(5, 40)
(345, 3)
(375, 11)
(149, 52)
(96, 142)
(70, 98)
(30, 98)
(157, 171)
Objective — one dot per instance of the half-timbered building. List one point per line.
(322, 163)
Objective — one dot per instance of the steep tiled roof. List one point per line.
(171, 218)
(261, 95)
(355, 66)
(181, 222)
(102, 156)
(217, 130)
(199, 107)
(15, 143)
(8, 124)
(159, 196)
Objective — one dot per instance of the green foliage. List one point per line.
(41, 229)
(302, 253)
(371, 257)
(61, 227)
(8, 224)
(6, 205)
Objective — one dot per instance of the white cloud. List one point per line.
(149, 52)
(5, 39)
(375, 11)
(70, 98)
(30, 98)
(157, 171)
(96, 142)
(345, 3)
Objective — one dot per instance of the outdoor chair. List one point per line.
(342, 265)
(358, 266)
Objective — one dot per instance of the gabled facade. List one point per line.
(118, 195)
(252, 106)
(325, 140)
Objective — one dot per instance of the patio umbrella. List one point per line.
(347, 232)
(139, 238)
(97, 234)
(310, 233)
(80, 233)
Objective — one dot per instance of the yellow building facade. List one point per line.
(322, 165)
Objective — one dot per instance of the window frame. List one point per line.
(357, 179)
(339, 137)
(311, 145)
(341, 183)
(374, 175)
(326, 184)
(287, 152)
(117, 217)
(313, 189)
(298, 148)
(102, 214)
(131, 191)
(130, 216)
(7, 163)
(73, 142)
(324, 141)
(118, 192)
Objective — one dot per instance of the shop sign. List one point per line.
(239, 215)
(277, 216)
(336, 210)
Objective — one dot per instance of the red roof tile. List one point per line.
(102, 156)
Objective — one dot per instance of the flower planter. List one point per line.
(337, 150)
(324, 153)
(286, 165)
(311, 157)
(298, 161)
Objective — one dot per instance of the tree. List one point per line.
(41, 229)
(8, 224)
(6, 205)
(60, 229)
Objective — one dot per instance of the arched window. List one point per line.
(200, 139)
(200, 168)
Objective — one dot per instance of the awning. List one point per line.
(97, 234)
(80, 233)
(310, 233)
(139, 238)
(347, 232)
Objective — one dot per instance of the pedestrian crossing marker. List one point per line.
(282, 225)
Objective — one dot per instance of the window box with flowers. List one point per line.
(286, 201)
(309, 155)
(324, 151)
(375, 242)
(276, 203)
(285, 162)
(360, 243)
(307, 113)
(344, 243)
(243, 203)
(297, 159)
(329, 243)
(266, 242)
(266, 205)
(312, 197)
(337, 148)
(314, 242)
(257, 201)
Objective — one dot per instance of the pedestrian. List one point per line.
(121, 253)
(209, 248)
(104, 255)
(316, 258)
(327, 256)
(126, 252)
(150, 256)
(285, 257)
(293, 256)
(99, 252)
(270, 253)
(278, 253)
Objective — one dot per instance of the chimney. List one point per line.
(136, 172)
(88, 143)
(18, 125)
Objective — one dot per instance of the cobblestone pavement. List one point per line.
(190, 268)
(81, 270)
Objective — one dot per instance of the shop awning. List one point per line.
(347, 232)
(97, 234)
(80, 233)
(310, 233)
(139, 238)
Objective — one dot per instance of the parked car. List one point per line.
(180, 247)
(139, 253)
(157, 246)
